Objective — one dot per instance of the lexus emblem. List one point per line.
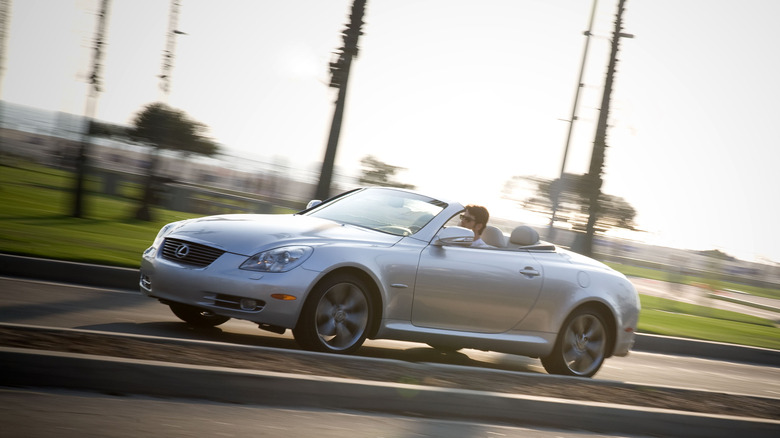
(182, 251)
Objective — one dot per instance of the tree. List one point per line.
(163, 127)
(378, 173)
(167, 128)
(572, 195)
(100, 129)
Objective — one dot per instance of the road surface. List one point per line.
(121, 311)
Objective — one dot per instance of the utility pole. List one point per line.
(89, 112)
(5, 6)
(170, 48)
(339, 71)
(561, 186)
(593, 177)
(144, 212)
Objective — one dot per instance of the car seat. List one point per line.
(524, 236)
(494, 237)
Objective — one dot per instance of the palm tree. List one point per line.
(163, 127)
(339, 70)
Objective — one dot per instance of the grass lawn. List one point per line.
(35, 206)
(674, 318)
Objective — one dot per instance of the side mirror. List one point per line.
(313, 203)
(454, 236)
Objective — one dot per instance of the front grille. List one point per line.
(188, 253)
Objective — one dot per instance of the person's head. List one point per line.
(475, 217)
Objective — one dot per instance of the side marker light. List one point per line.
(284, 297)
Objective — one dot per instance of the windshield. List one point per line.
(389, 211)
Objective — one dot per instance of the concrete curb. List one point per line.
(127, 278)
(69, 272)
(706, 350)
(20, 367)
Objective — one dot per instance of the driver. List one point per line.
(475, 218)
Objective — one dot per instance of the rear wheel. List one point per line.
(336, 316)
(197, 317)
(581, 346)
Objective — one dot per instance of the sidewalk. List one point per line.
(748, 304)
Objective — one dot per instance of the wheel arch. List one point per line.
(375, 294)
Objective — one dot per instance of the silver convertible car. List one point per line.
(392, 264)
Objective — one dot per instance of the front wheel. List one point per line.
(197, 317)
(581, 346)
(336, 316)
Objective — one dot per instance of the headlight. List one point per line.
(278, 260)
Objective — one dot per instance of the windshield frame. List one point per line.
(386, 210)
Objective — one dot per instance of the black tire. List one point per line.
(336, 316)
(197, 317)
(581, 346)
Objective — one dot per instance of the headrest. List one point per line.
(524, 236)
(494, 237)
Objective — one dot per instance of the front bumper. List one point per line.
(220, 286)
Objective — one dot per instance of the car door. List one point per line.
(474, 289)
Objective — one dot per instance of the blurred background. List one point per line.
(465, 100)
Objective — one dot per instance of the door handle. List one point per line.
(529, 272)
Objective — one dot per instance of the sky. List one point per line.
(462, 94)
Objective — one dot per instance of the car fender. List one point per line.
(569, 286)
(392, 272)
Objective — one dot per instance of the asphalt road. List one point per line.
(48, 413)
(122, 311)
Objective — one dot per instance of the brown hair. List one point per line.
(480, 214)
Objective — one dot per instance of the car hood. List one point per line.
(247, 234)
